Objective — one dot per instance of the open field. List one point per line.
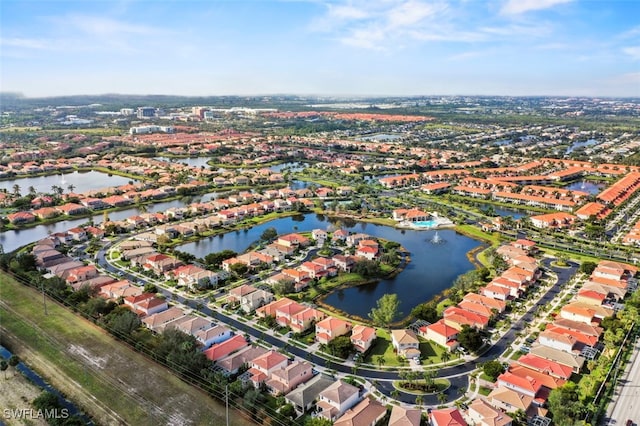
(110, 381)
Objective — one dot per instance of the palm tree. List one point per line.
(16, 189)
(71, 187)
(445, 356)
(395, 394)
(419, 400)
(442, 397)
(380, 360)
(32, 191)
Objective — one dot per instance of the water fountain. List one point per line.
(584, 185)
(437, 239)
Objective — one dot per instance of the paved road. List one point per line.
(626, 400)
(457, 375)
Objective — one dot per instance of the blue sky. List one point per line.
(350, 47)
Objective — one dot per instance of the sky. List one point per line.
(321, 47)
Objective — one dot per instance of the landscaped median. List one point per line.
(107, 379)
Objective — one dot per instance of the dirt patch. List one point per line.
(17, 393)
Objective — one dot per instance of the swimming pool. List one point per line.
(425, 223)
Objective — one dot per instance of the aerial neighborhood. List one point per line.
(340, 265)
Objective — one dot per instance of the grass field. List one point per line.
(108, 380)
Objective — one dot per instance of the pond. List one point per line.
(81, 181)
(581, 144)
(592, 188)
(433, 267)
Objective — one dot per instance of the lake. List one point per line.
(13, 239)
(82, 181)
(190, 161)
(433, 267)
(581, 144)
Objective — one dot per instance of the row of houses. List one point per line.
(565, 344)
(559, 352)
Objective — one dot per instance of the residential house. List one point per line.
(212, 335)
(252, 301)
(146, 304)
(194, 324)
(367, 412)
(545, 366)
(405, 343)
(401, 416)
(362, 337)
(261, 368)
(158, 321)
(303, 397)
(225, 348)
(305, 319)
(456, 317)
(498, 305)
(284, 379)
(330, 328)
(441, 333)
(560, 341)
(564, 358)
(582, 312)
(482, 413)
(447, 417)
(232, 363)
(336, 399)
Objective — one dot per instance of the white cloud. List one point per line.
(633, 52)
(24, 43)
(516, 7)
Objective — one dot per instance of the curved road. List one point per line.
(457, 374)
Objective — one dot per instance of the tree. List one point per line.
(47, 401)
(3, 367)
(16, 190)
(470, 338)
(13, 362)
(442, 397)
(445, 356)
(386, 310)
(587, 267)
(215, 259)
(341, 346)
(150, 288)
(269, 234)
(565, 404)
(426, 311)
(239, 269)
(419, 400)
(380, 360)
(317, 421)
(283, 286)
(493, 369)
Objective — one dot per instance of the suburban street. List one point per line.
(458, 375)
(626, 399)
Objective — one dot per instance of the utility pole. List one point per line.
(44, 299)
